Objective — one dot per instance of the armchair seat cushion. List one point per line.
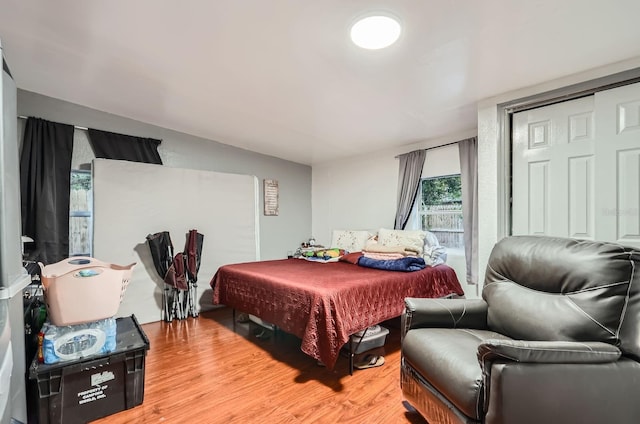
(449, 358)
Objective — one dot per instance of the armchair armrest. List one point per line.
(547, 352)
(553, 381)
(444, 313)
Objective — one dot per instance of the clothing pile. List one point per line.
(400, 250)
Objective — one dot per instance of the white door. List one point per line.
(553, 170)
(618, 171)
(576, 168)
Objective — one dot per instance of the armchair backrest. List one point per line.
(547, 288)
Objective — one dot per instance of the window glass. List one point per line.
(440, 209)
(80, 214)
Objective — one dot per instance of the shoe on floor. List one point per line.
(369, 361)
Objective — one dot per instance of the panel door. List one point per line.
(576, 168)
(618, 170)
(553, 170)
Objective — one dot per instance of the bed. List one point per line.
(324, 303)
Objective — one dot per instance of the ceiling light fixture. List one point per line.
(375, 32)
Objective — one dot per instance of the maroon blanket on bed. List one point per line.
(324, 303)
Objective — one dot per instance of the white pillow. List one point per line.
(350, 240)
(410, 238)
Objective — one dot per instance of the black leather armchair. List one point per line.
(554, 339)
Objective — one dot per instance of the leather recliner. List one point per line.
(554, 339)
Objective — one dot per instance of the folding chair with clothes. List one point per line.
(179, 273)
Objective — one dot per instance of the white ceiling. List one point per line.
(280, 77)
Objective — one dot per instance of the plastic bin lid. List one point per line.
(129, 337)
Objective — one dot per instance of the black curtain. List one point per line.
(108, 145)
(45, 178)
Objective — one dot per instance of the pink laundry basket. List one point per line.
(83, 289)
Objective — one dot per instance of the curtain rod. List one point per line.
(434, 147)
(75, 126)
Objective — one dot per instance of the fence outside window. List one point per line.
(445, 221)
(80, 214)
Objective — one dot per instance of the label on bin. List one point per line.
(97, 392)
(102, 377)
(92, 395)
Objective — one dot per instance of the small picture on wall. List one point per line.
(271, 197)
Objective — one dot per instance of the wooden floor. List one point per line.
(201, 370)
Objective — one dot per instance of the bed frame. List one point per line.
(324, 303)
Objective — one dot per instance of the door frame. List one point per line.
(505, 119)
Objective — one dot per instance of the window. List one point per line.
(80, 214)
(440, 209)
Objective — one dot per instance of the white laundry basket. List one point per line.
(83, 289)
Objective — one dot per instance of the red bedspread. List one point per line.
(324, 303)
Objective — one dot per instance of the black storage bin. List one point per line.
(87, 389)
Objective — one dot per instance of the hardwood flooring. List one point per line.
(201, 370)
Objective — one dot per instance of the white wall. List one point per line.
(488, 151)
(441, 161)
(353, 194)
(361, 193)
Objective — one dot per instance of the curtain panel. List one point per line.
(409, 175)
(468, 150)
(108, 145)
(45, 179)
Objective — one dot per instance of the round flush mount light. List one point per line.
(375, 32)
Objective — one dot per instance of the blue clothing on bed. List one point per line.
(406, 264)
